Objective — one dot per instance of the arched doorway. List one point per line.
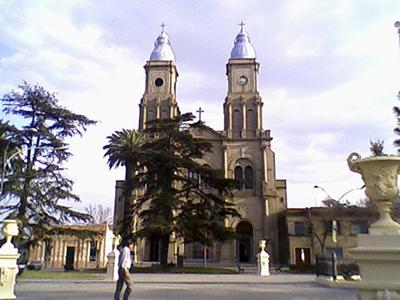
(244, 242)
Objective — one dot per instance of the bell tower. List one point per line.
(243, 106)
(159, 98)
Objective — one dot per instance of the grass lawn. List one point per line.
(28, 274)
(188, 270)
(93, 274)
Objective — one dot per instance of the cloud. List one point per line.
(328, 76)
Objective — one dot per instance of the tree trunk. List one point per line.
(164, 240)
(127, 215)
(205, 256)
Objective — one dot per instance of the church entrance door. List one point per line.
(154, 249)
(244, 242)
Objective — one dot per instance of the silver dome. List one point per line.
(243, 47)
(162, 48)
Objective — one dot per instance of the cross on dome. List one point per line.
(162, 47)
(242, 49)
(241, 24)
(162, 26)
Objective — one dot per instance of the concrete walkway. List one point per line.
(188, 287)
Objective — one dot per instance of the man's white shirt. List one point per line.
(125, 258)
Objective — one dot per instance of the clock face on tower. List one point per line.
(243, 80)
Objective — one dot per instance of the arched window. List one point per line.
(251, 120)
(204, 182)
(237, 120)
(248, 178)
(150, 115)
(239, 174)
(164, 114)
(193, 177)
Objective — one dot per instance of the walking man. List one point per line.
(123, 271)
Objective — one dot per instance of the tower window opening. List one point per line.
(248, 178)
(237, 120)
(239, 175)
(251, 120)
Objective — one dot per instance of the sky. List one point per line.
(329, 76)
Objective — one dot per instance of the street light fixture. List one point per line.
(342, 196)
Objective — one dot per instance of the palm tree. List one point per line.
(123, 149)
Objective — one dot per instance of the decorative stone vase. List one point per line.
(378, 253)
(379, 174)
(9, 230)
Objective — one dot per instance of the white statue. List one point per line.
(263, 260)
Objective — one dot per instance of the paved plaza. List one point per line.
(187, 287)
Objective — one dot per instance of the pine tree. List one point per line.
(181, 196)
(37, 187)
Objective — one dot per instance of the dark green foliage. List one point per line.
(177, 193)
(36, 185)
(176, 201)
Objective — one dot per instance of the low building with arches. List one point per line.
(242, 150)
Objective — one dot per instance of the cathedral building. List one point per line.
(242, 150)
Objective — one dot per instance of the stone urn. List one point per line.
(9, 230)
(379, 174)
(378, 253)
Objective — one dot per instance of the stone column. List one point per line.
(8, 261)
(158, 108)
(244, 119)
(265, 163)
(144, 115)
(225, 159)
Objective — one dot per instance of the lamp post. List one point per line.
(7, 161)
(342, 196)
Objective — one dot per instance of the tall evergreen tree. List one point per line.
(181, 196)
(37, 185)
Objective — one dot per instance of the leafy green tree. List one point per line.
(181, 196)
(37, 187)
(124, 149)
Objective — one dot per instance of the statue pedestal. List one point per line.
(112, 266)
(379, 259)
(8, 261)
(263, 260)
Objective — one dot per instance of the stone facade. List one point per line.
(59, 250)
(242, 150)
(303, 244)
